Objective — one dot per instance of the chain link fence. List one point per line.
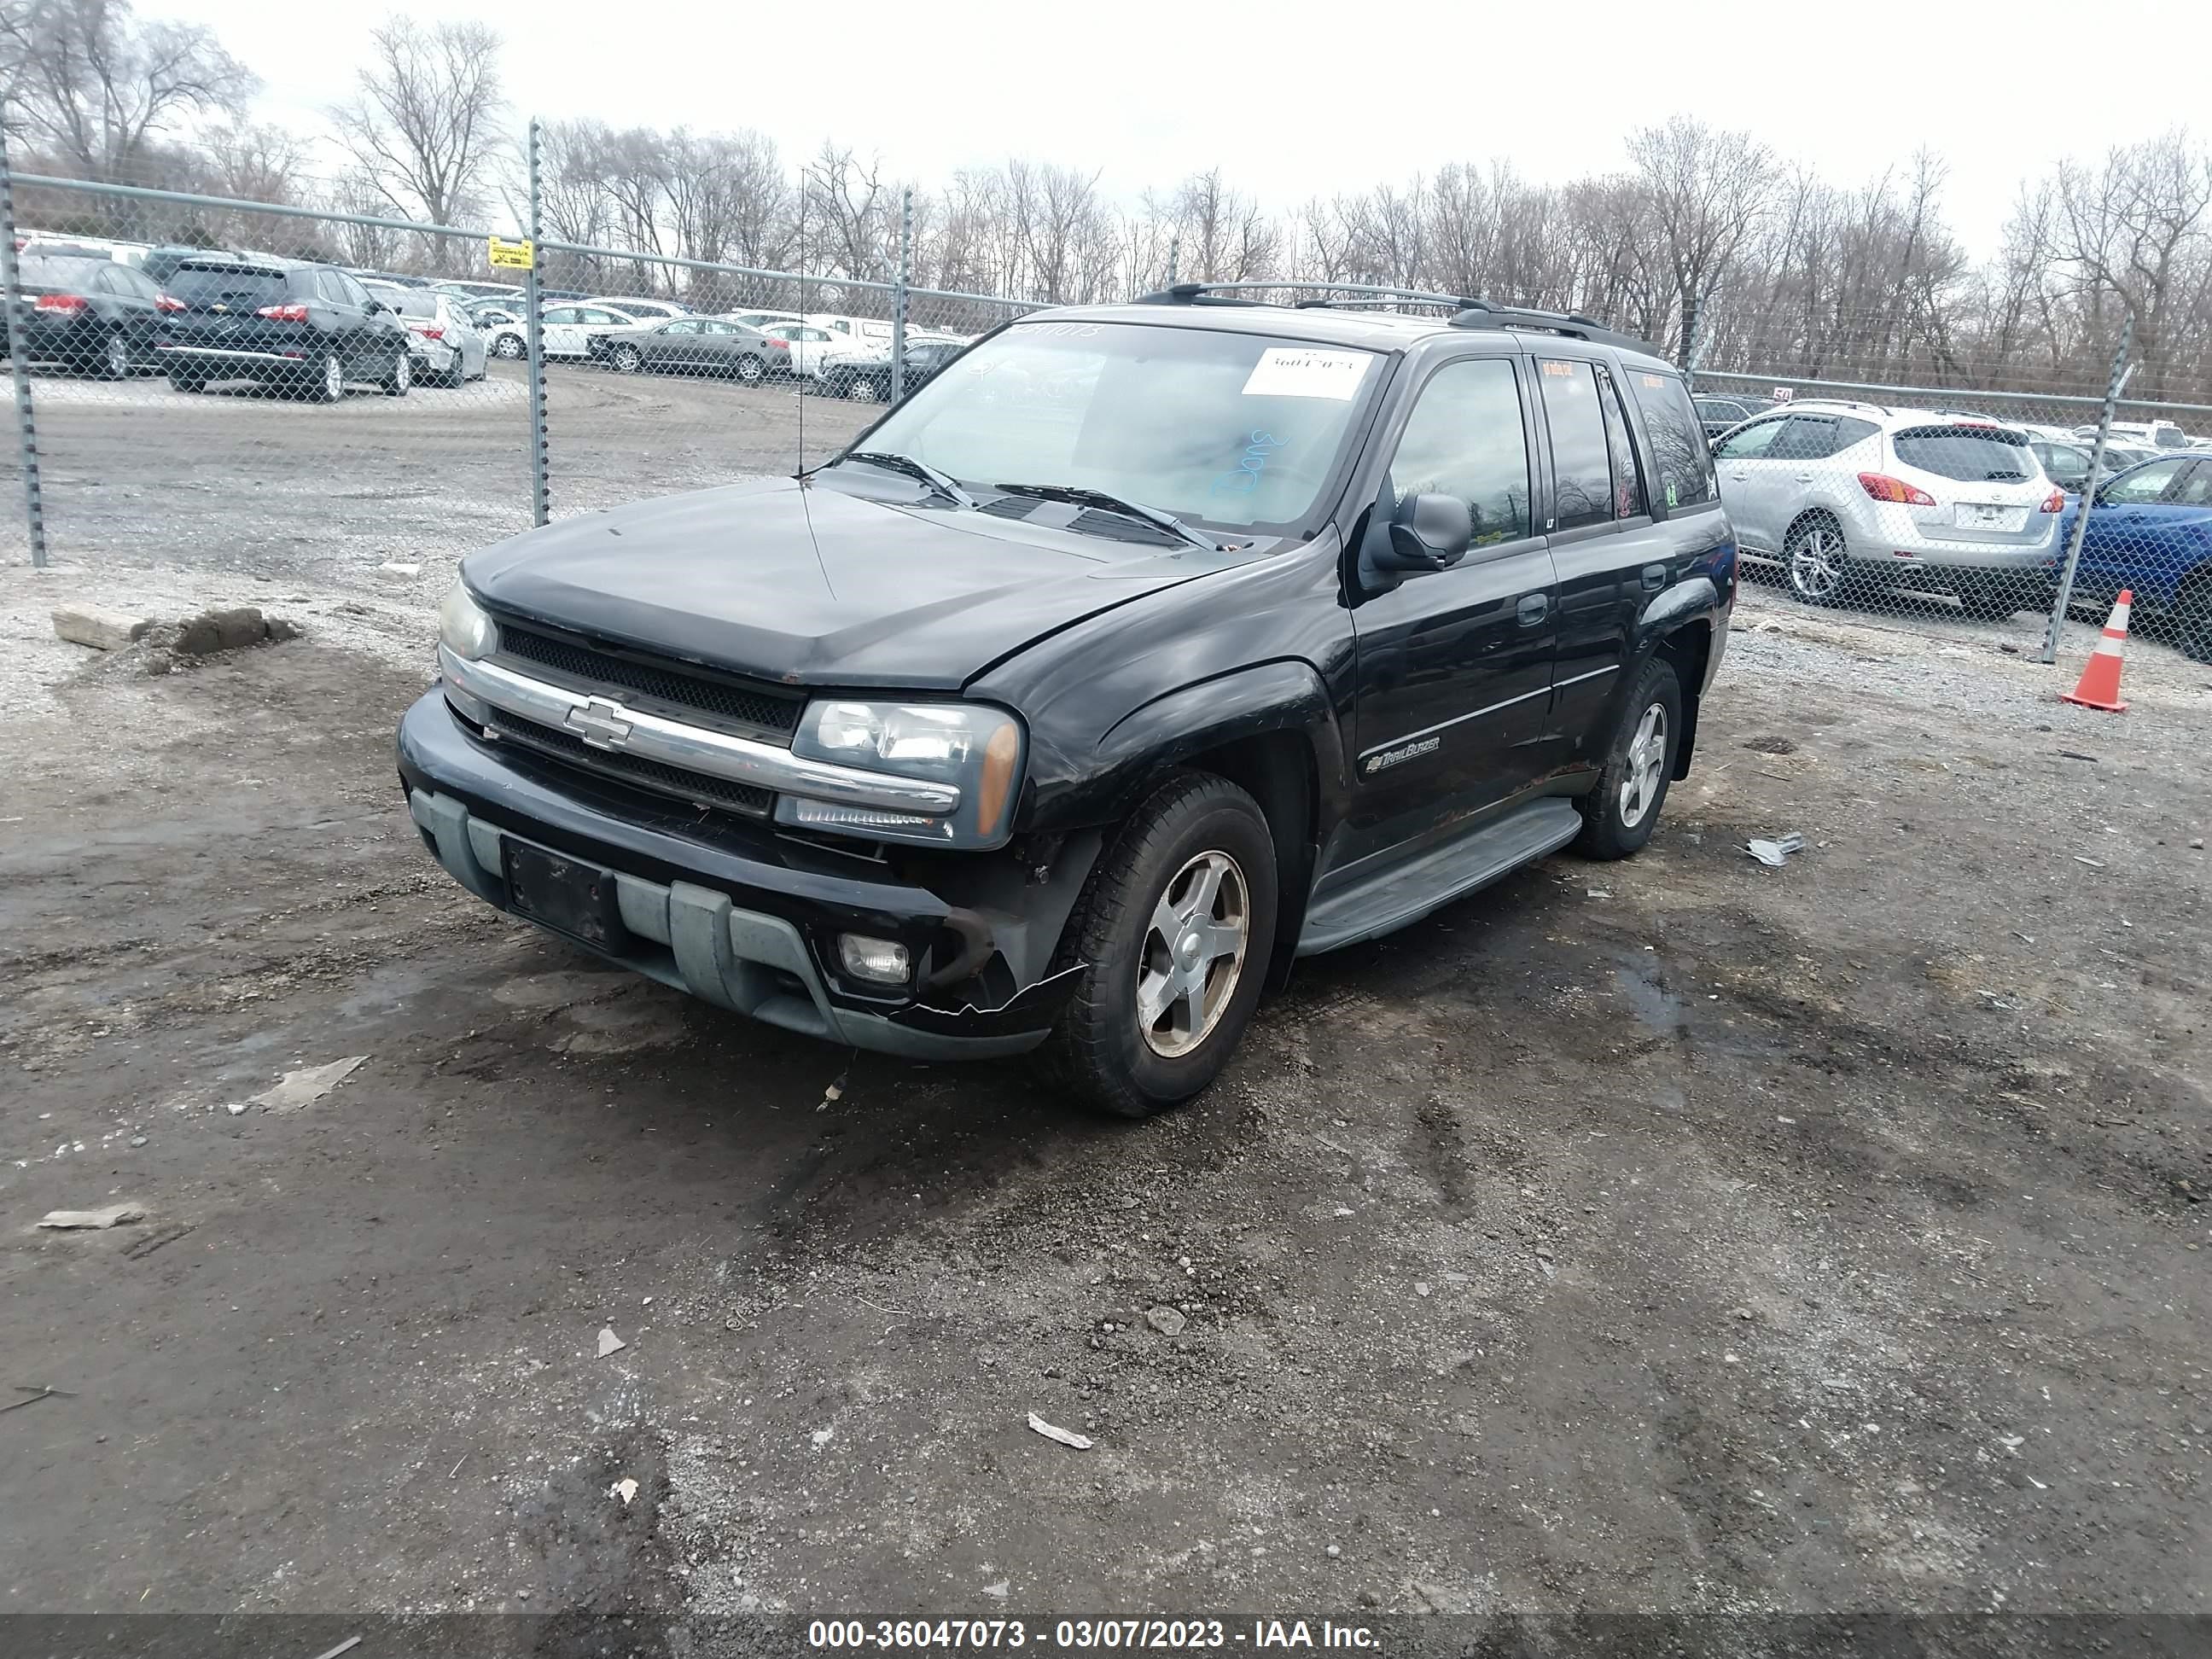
(226, 384)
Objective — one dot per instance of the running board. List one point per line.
(1406, 893)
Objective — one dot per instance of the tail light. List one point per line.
(292, 313)
(431, 332)
(65, 305)
(1883, 488)
(2055, 502)
(167, 302)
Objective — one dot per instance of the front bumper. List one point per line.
(721, 918)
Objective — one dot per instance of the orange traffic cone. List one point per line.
(2100, 684)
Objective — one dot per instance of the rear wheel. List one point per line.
(325, 383)
(509, 346)
(1813, 559)
(1621, 813)
(862, 389)
(116, 360)
(1173, 933)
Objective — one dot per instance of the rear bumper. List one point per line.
(722, 920)
(1898, 538)
(218, 362)
(76, 341)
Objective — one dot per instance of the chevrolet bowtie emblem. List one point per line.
(601, 723)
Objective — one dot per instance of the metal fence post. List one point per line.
(533, 332)
(899, 295)
(34, 512)
(2117, 380)
(1175, 255)
(1693, 349)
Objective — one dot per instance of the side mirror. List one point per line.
(1419, 535)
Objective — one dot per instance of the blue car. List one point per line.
(2151, 530)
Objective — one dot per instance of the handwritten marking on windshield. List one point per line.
(1244, 477)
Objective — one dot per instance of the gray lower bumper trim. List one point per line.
(739, 959)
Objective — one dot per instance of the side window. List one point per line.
(560, 314)
(1752, 443)
(680, 328)
(1628, 497)
(1805, 438)
(1851, 431)
(2143, 486)
(1581, 469)
(2196, 489)
(354, 293)
(1681, 457)
(1465, 438)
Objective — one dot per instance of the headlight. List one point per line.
(974, 748)
(464, 628)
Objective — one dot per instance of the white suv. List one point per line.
(1853, 500)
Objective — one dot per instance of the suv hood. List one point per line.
(811, 585)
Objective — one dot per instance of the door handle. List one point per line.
(1532, 609)
(1655, 578)
(1804, 478)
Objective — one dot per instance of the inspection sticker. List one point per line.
(1296, 372)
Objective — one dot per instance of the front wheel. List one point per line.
(1173, 933)
(1814, 559)
(509, 346)
(1620, 814)
(751, 370)
(862, 390)
(400, 377)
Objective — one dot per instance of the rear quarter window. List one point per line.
(1683, 461)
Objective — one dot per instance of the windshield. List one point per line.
(1240, 430)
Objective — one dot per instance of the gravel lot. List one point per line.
(1680, 1234)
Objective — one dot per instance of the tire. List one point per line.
(399, 376)
(326, 385)
(1813, 559)
(116, 362)
(1193, 833)
(626, 359)
(513, 347)
(862, 389)
(750, 370)
(2192, 616)
(1620, 814)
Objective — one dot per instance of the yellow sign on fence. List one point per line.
(515, 256)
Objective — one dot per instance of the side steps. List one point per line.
(1406, 893)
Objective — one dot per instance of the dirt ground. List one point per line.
(1681, 1235)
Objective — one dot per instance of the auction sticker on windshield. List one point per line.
(1296, 372)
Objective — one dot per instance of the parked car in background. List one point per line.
(565, 330)
(485, 314)
(809, 346)
(87, 313)
(1852, 500)
(463, 290)
(864, 377)
(393, 278)
(292, 326)
(856, 330)
(642, 310)
(2161, 435)
(762, 319)
(449, 350)
(2150, 531)
(696, 345)
(1719, 410)
(2066, 462)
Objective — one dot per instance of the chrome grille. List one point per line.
(694, 786)
(759, 711)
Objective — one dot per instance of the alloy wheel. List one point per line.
(1647, 763)
(1193, 954)
(1816, 563)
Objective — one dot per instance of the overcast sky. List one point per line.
(1295, 100)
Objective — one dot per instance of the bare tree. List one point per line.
(97, 94)
(1707, 192)
(424, 128)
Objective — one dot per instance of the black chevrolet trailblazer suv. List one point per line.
(1143, 650)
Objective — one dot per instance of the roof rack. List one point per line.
(1830, 402)
(1481, 314)
(1185, 293)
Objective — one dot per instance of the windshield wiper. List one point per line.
(1078, 496)
(942, 483)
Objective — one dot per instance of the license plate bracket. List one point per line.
(564, 894)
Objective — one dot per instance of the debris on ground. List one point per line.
(624, 1489)
(1066, 1436)
(999, 1590)
(92, 1220)
(100, 628)
(823, 1436)
(1773, 852)
(349, 1644)
(1165, 1320)
(394, 568)
(34, 1396)
(2093, 863)
(306, 1086)
(609, 1342)
(835, 1092)
(1770, 746)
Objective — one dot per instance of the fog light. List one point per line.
(882, 960)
